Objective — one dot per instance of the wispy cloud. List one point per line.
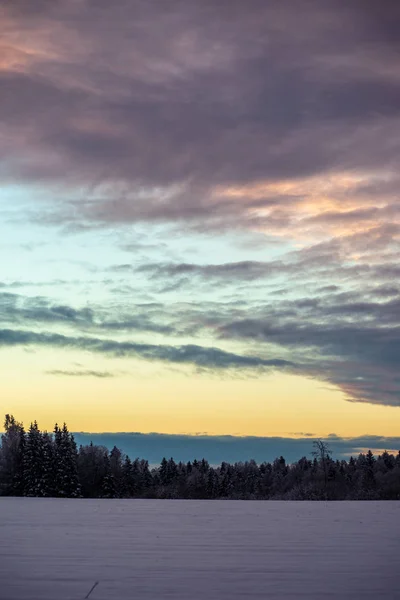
(200, 356)
(81, 373)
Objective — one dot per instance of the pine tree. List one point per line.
(127, 482)
(48, 463)
(116, 469)
(35, 464)
(211, 486)
(163, 471)
(172, 470)
(137, 480)
(91, 470)
(57, 462)
(71, 464)
(108, 484)
(368, 478)
(146, 478)
(11, 457)
(65, 463)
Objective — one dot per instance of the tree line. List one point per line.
(36, 463)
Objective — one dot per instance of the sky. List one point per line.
(199, 217)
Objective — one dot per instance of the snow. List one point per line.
(56, 549)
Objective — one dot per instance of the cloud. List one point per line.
(14, 307)
(245, 270)
(362, 360)
(344, 338)
(251, 118)
(199, 356)
(215, 449)
(98, 374)
(155, 109)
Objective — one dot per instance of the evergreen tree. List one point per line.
(368, 476)
(212, 484)
(58, 478)
(35, 464)
(11, 458)
(116, 468)
(48, 465)
(146, 478)
(137, 479)
(108, 484)
(65, 463)
(226, 481)
(91, 469)
(127, 480)
(163, 471)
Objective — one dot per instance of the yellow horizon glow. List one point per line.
(149, 397)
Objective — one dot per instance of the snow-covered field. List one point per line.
(198, 550)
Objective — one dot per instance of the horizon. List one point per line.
(154, 446)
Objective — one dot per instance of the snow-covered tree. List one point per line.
(35, 464)
(65, 461)
(108, 485)
(116, 469)
(127, 480)
(11, 457)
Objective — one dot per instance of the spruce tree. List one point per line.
(146, 478)
(65, 463)
(137, 479)
(70, 454)
(127, 482)
(11, 458)
(116, 469)
(368, 479)
(47, 465)
(211, 486)
(163, 471)
(35, 463)
(57, 462)
(91, 470)
(108, 484)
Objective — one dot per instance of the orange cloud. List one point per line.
(313, 208)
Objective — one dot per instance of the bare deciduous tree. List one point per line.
(322, 453)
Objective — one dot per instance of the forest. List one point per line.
(36, 463)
